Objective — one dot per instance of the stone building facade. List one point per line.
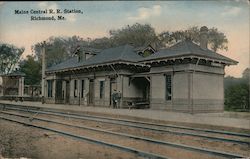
(185, 77)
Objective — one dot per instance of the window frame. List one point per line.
(102, 89)
(83, 88)
(75, 88)
(50, 88)
(168, 87)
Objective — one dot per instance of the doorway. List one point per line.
(91, 92)
(113, 86)
(67, 92)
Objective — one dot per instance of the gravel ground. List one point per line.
(18, 141)
(242, 115)
(181, 139)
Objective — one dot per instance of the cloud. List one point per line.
(71, 17)
(231, 11)
(242, 1)
(48, 5)
(144, 13)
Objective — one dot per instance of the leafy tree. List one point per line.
(58, 49)
(32, 69)
(246, 74)
(237, 97)
(9, 57)
(100, 43)
(216, 39)
(237, 92)
(137, 34)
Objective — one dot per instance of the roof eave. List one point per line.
(226, 62)
(98, 65)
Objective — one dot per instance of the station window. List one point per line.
(75, 88)
(50, 87)
(101, 89)
(82, 95)
(168, 87)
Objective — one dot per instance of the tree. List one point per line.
(137, 34)
(216, 39)
(32, 69)
(237, 97)
(237, 92)
(246, 74)
(9, 57)
(101, 43)
(58, 49)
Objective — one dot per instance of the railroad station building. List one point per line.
(185, 77)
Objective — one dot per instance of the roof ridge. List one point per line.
(123, 51)
(187, 45)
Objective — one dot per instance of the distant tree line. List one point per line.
(59, 49)
(237, 92)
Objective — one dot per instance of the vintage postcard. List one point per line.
(125, 79)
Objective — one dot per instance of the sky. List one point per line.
(231, 17)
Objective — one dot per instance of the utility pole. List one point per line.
(43, 70)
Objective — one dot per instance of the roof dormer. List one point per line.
(145, 51)
(84, 54)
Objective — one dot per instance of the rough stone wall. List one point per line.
(194, 89)
(208, 92)
(105, 100)
(181, 93)
(157, 91)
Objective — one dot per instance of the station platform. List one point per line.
(226, 119)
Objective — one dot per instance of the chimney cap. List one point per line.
(203, 28)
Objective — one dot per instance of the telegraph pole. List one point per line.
(43, 70)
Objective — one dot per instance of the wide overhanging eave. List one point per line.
(96, 66)
(165, 59)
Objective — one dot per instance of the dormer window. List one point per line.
(89, 55)
(146, 50)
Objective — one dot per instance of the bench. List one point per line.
(138, 104)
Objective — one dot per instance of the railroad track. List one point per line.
(132, 150)
(145, 125)
(124, 148)
(84, 138)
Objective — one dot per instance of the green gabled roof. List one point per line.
(127, 53)
(188, 48)
(123, 53)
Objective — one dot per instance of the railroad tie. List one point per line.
(33, 117)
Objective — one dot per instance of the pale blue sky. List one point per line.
(230, 17)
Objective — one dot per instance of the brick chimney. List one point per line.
(203, 37)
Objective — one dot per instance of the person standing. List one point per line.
(114, 99)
